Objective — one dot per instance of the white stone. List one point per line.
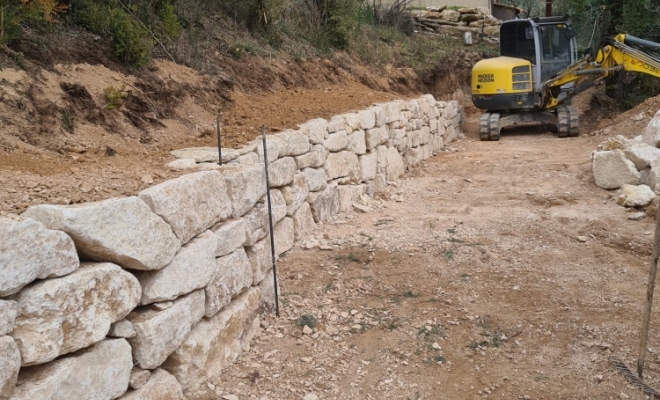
(9, 367)
(8, 312)
(357, 143)
(278, 205)
(233, 276)
(139, 378)
(29, 251)
(651, 134)
(205, 154)
(379, 183)
(347, 194)
(159, 333)
(261, 260)
(100, 372)
(379, 116)
(256, 223)
(192, 268)
(413, 156)
(182, 164)
(316, 178)
(381, 154)
(395, 166)
(214, 343)
(336, 141)
(284, 236)
(612, 170)
(267, 295)
(303, 222)
(281, 172)
(324, 204)
(635, 196)
(296, 193)
(62, 315)
(297, 143)
(160, 386)
(191, 203)
(367, 118)
(336, 124)
(123, 231)
(392, 110)
(642, 155)
(245, 186)
(248, 159)
(122, 329)
(316, 130)
(231, 235)
(376, 136)
(368, 166)
(274, 146)
(342, 164)
(315, 158)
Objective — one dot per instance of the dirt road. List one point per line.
(498, 270)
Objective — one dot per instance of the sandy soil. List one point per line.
(497, 270)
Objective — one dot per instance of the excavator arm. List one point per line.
(621, 53)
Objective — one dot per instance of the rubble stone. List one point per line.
(315, 158)
(612, 170)
(139, 378)
(9, 367)
(260, 259)
(245, 186)
(336, 141)
(233, 276)
(316, 178)
(316, 130)
(205, 154)
(284, 236)
(347, 195)
(297, 143)
(324, 204)
(342, 164)
(161, 385)
(296, 193)
(303, 222)
(122, 329)
(642, 155)
(231, 235)
(281, 172)
(8, 312)
(368, 166)
(635, 196)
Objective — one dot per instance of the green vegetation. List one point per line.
(114, 97)
(306, 320)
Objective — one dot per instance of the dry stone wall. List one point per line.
(145, 297)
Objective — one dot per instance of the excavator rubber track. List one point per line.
(489, 126)
(568, 122)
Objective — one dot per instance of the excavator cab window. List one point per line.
(517, 40)
(555, 43)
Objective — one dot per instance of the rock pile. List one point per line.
(478, 20)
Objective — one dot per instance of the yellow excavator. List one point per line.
(537, 72)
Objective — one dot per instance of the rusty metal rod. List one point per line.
(270, 223)
(217, 128)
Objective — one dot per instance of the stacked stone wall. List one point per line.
(144, 297)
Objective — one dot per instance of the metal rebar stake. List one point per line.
(217, 128)
(270, 223)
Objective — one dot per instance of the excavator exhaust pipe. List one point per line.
(548, 8)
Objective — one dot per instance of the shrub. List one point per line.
(131, 43)
(171, 25)
(114, 97)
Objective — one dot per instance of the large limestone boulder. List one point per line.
(191, 203)
(296, 193)
(246, 184)
(281, 172)
(161, 386)
(352, 121)
(100, 372)
(29, 251)
(62, 315)
(303, 222)
(336, 124)
(342, 164)
(336, 141)
(267, 295)
(651, 134)
(367, 118)
(315, 158)
(205, 154)
(376, 136)
(214, 343)
(159, 333)
(122, 231)
(392, 111)
(256, 221)
(316, 178)
(379, 116)
(274, 147)
(324, 203)
(297, 143)
(9, 367)
(261, 260)
(368, 166)
(284, 236)
(8, 312)
(316, 130)
(413, 156)
(612, 170)
(348, 194)
(231, 235)
(642, 155)
(635, 196)
(192, 268)
(233, 276)
(395, 166)
(357, 143)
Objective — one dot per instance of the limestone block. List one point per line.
(342, 164)
(182, 164)
(138, 378)
(336, 124)
(427, 151)
(274, 147)
(642, 155)
(8, 312)
(348, 194)
(284, 235)
(424, 135)
(303, 222)
(336, 141)
(400, 139)
(379, 183)
(352, 121)
(9, 367)
(233, 276)
(645, 178)
(278, 205)
(161, 385)
(612, 170)
(395, 164)
(122, 329)
(267, 295)
(437, 141)
(191, 203)
(324, 204)
(316, 130)
(315, 158)
(100, 372)
(653, 176)
(368, 166)
(376, 136)
(260, 259)
(62, 315)
(433, 125)
(392, 111)
(296, 193)
(281, 172)
(256, 223)
(214, 343)
(231, 235)
(159, 333)
(651, 134)
(635, 196)
(412, 156)
(316, 178)
(205, 154)
(245, 186)
(379, 116)
(192, 268)
(413, 107)
(381, 154)
(357, 143)
(415, 124)
(29, 251)
(123, 231)
(616, 142)
(248, 159)
(297, 143)
(425, 102)
(367, 118)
